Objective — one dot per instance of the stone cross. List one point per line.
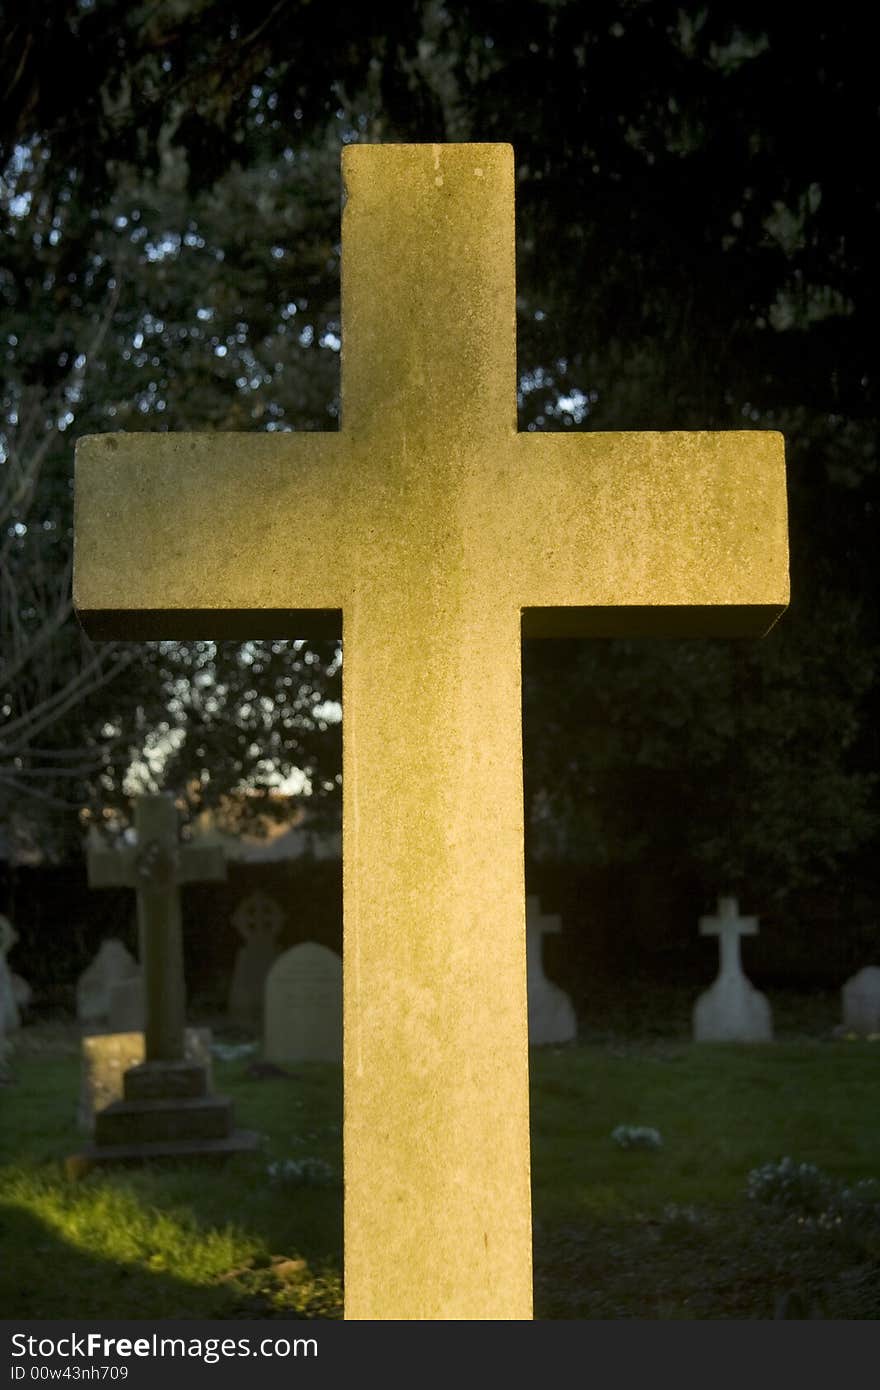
(432, 537)
(258, 918)
(538, 925)
(155, 868)
(551, 1013)
(729, 927)
(731, 1010)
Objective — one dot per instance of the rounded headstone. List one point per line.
(303, 1011)
(861, 1001)
(111, 966)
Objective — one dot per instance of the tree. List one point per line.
(696, 232)
(180, 320)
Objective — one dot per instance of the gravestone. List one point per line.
(258, 920)
(106, 1057)
(10, 1016)
(440, 536)
(732, 1010)
(303, 1010)
(167, 1109)
(22, 994)
(112, 965)
(861, 1001)
(552, 1017)
(128, 1006)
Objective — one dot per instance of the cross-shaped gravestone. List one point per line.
(432, 536)
(732, 1010)
(552, 1018)
(258, 920)
(729, 927)
(156, 867)
(258, 917)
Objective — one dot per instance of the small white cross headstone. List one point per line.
(551, 1013)
(732, 1010)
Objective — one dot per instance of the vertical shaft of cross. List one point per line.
(159, 924)
(437, 1198)
(730, 955)
(428, 295)
(729, 927)
(437, 1219)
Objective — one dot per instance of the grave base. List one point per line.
(239, 1141)
(168, 1111)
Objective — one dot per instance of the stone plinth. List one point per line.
(167, 1111)
(107, 1057)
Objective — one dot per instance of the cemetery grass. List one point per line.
(666, 1232)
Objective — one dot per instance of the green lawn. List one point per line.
(659, 1233)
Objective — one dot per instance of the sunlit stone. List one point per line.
(432, 535)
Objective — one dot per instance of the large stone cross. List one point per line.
(156, 867)
(432, 536)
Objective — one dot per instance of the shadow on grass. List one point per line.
(147, 1243)
(42, 1275)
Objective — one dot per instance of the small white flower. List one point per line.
(301, 1170)
(637, 1137)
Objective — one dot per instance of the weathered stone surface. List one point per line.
(552, 1017)
(163, 1118)
(112, 965)
(167, 1109)
(861, 1001)
(303, 1020)
(107, 1057)
(155, 869)
(441, 535)
(732, 1010)
(127, 1009)
(258, 920)
(199, 1150)
(164, 1104)
(165, 1081)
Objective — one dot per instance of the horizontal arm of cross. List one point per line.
(200, 863)
(658, 534)
(200, 535)
(673, 534)
(112, 868)
(729, 926)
